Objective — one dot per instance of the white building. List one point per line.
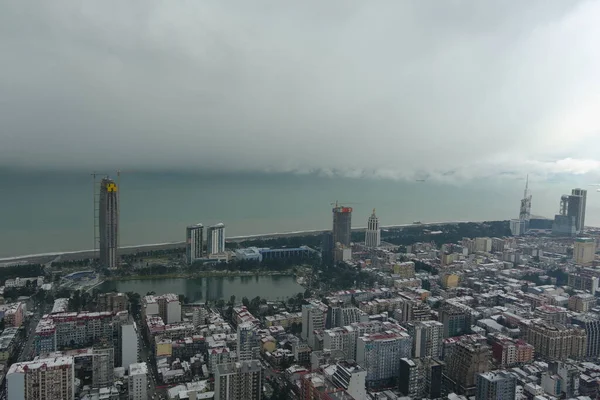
(313, 319)
(247, 342)
(373, 233)
(215, 239)
(47, 378)
(194, 239)
(138, 381)
(249, 254)
(167, 306)
(343, 339)
(351, 377)
(129, 344)
(380, 355)
(427, 338)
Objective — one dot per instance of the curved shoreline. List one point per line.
(81, 254)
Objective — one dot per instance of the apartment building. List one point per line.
(313, 319)
(497, 385)
(138, 381)
(72, 330)
(114, 302)
(591, 323)
(468, 357)
(427, 338)
(167, 306)
(379, 354)
(582, 303)
(508, 352)
(14, 314)
(43, 379)
(239, 381)
(557, 341)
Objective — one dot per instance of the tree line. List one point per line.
(21, 271)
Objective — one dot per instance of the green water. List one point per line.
(275, 287)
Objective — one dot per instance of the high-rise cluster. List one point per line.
(194, 242)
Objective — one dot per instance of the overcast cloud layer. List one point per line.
(382, 88)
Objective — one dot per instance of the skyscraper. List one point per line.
(519, 226)
(194, 239)
(565, 222)
(580, 218)
(108, 222)
(215, 239)
(525, 210)
(373, 234)
(342, 225)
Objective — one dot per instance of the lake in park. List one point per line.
(270, 287)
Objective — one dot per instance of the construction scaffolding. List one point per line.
(96, 179)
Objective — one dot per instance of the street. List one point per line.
(26, 351)
(145, 356)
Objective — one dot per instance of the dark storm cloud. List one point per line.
(381, 88)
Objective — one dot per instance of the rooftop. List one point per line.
(138, 369)
(243, 366)
(22, 367)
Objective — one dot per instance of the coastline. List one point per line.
(83, 254)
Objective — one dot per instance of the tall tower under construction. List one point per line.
(525, 210)
(342, 225)
(108, 223)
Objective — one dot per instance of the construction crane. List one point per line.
(342, 202)
(597, 185)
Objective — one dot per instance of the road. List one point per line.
(145, 356)
(26, 353)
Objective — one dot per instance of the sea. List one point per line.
(53, 211)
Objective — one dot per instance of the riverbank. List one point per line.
(203, 274)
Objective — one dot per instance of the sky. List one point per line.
(390, 89)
